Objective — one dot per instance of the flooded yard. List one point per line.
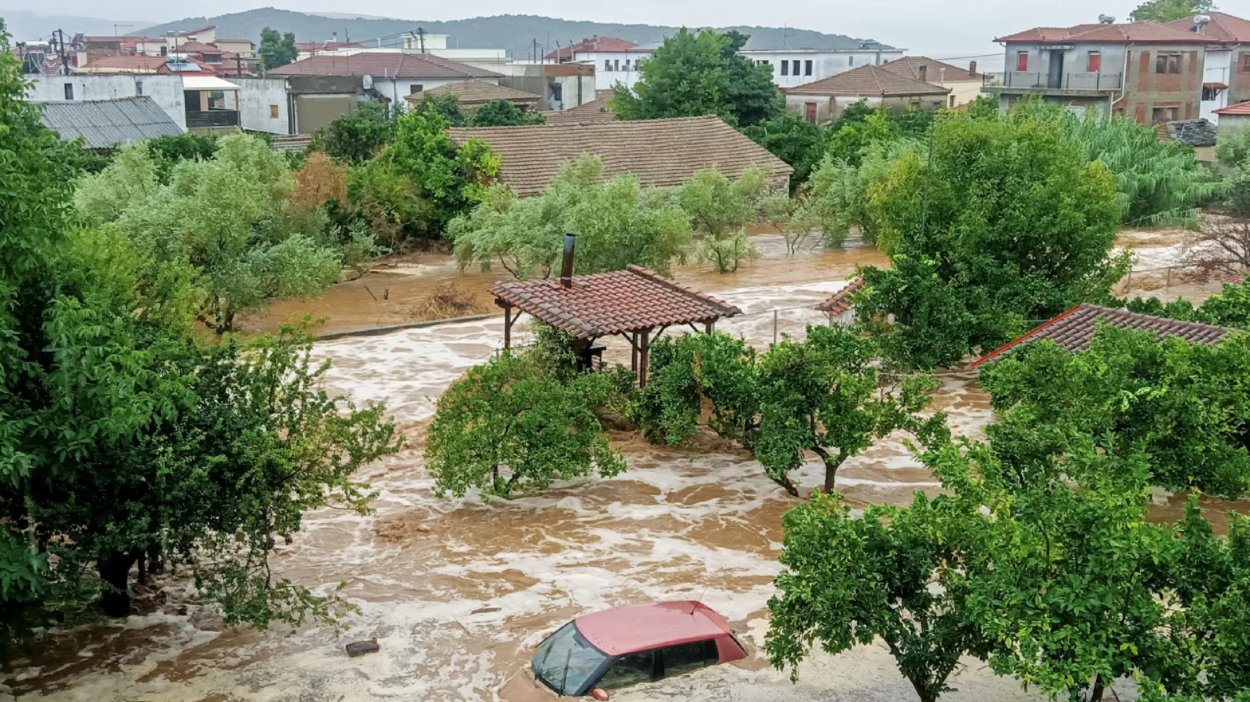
(458, 592)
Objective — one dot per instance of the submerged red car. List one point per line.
(609, 650)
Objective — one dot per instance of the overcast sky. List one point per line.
(947, 27)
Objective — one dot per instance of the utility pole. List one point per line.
(58, 45)
(535, 50)
(421, 38)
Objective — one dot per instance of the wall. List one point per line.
(397, 89)
(963, 92)
(568, 91)
(1076, 104)
(257, 99)
(824, 63)
(1232, 123)
(1145, 90)
(1239, 77)
(612, 67)
(165, 91)
(1216, 70)
(830, 108)
(533, 78)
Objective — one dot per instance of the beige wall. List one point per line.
(963, 92)
(830, 108)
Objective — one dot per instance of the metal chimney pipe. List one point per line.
(566, 267)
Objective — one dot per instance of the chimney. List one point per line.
(972, 66)
(923, 73)
(566, 268)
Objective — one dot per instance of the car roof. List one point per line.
(637, 628)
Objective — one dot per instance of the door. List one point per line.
(1055, 77)
(809, 112)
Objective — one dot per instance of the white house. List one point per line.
(1226, 72)
(795, 67)
(388, 75)
(165, 90)
(615, 60)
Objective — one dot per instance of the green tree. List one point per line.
(507, 427)
(721, 209)
(501, 113)
(230, 219)
(167, 151)
(696, 74)
(1180, 403)
(1169, 10)
(1233, 149)
(1005, 212)
(617, 223)
(276, 49)
(793, 140)
(898, 574)
(860, 128)
(358, 135)
(445, 106)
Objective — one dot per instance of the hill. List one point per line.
(514, 33)
(29, 26)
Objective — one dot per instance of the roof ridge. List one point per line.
(684, 289)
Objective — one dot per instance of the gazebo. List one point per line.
(838, 306)
(636, 304)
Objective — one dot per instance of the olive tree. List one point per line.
(721, 209)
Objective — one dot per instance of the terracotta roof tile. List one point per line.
(594, 111)
(1131, 33)
(936, 72)
(1223, 27)
(842, 300)
(196, 47)
(607, 44)
(868, 81)
(1074, 329)
(660, 152)
(382, 65)
(1241, 109)
(611, 303)
(476, 91)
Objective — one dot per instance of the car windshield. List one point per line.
(566, 660)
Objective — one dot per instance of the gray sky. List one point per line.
(946, 27)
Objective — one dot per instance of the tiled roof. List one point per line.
(1131, 33)
(126, 63)
(1222, 27)
(1074, 329)
(660, 152)
(382, 65)
(1241, 109)
(841, 301)
(596, 43)
(594, 111)
(868, 81)
(935, 71)
(476, 91)
(104, 124)
(611, 303)
(196, 47)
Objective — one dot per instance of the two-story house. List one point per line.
(1226, 79)
(615, 60)
(794, 67)
(1147, 71)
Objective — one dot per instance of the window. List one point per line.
(565, 660)
(686, 658)
(1168, 63)
(1163, 114)
(1094, 64)
(785, 68)
(810, 111)
(69, 91)
(616, 64)
(607, 64)
(1022, 62)
(557, 93)
(138, 88)
(1245, 62)
(794, 67)
(415, 88)
(807, 67)
(273, 112)
(629, 670)
(951, 102)
(625, 65)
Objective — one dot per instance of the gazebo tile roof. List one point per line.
(841, 301)
(1074, 329)
(603, 304)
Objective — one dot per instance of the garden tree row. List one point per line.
(122, 438)
(825, 395)
(617, 222)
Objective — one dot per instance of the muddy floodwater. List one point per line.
(458, 592)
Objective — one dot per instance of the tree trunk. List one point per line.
(784, 481)
(114, 570)
(1095, 692)
(832, 464)
(923, 692)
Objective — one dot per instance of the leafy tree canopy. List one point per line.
(617, 223)
(696, 74)
(1169, 10)
(721, 209)
(501, 113)
(359, 135)
(276, 49)
(793, 140)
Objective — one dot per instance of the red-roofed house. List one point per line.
(824, 100)
(615, 60)
(388, 75)
(1226, 78)
(1234, 116)
(1149, 72)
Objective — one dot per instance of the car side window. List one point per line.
(629, 670)
(684, 658)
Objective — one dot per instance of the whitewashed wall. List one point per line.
(165, 91)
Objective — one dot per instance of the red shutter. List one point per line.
(1095, 62)
(1022, 62)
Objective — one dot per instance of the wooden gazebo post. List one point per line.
(644, 356)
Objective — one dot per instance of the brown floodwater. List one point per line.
(458, 592)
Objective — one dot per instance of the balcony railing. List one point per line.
(1041, 82)
(212, 118)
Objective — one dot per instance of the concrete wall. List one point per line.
(165, 91)
(613, 67)
(1148, 94)
(1233, 123)
(823, 63)
(396, 90)
(962, 93)
(1216, 70)
(1239, 76)
(264, 105)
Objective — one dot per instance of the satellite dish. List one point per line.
(367, 82)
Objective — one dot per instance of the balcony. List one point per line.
(212, 118)
(1048, 84)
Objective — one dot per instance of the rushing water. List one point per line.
(458, 592)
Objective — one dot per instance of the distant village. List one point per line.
(1188, 77)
